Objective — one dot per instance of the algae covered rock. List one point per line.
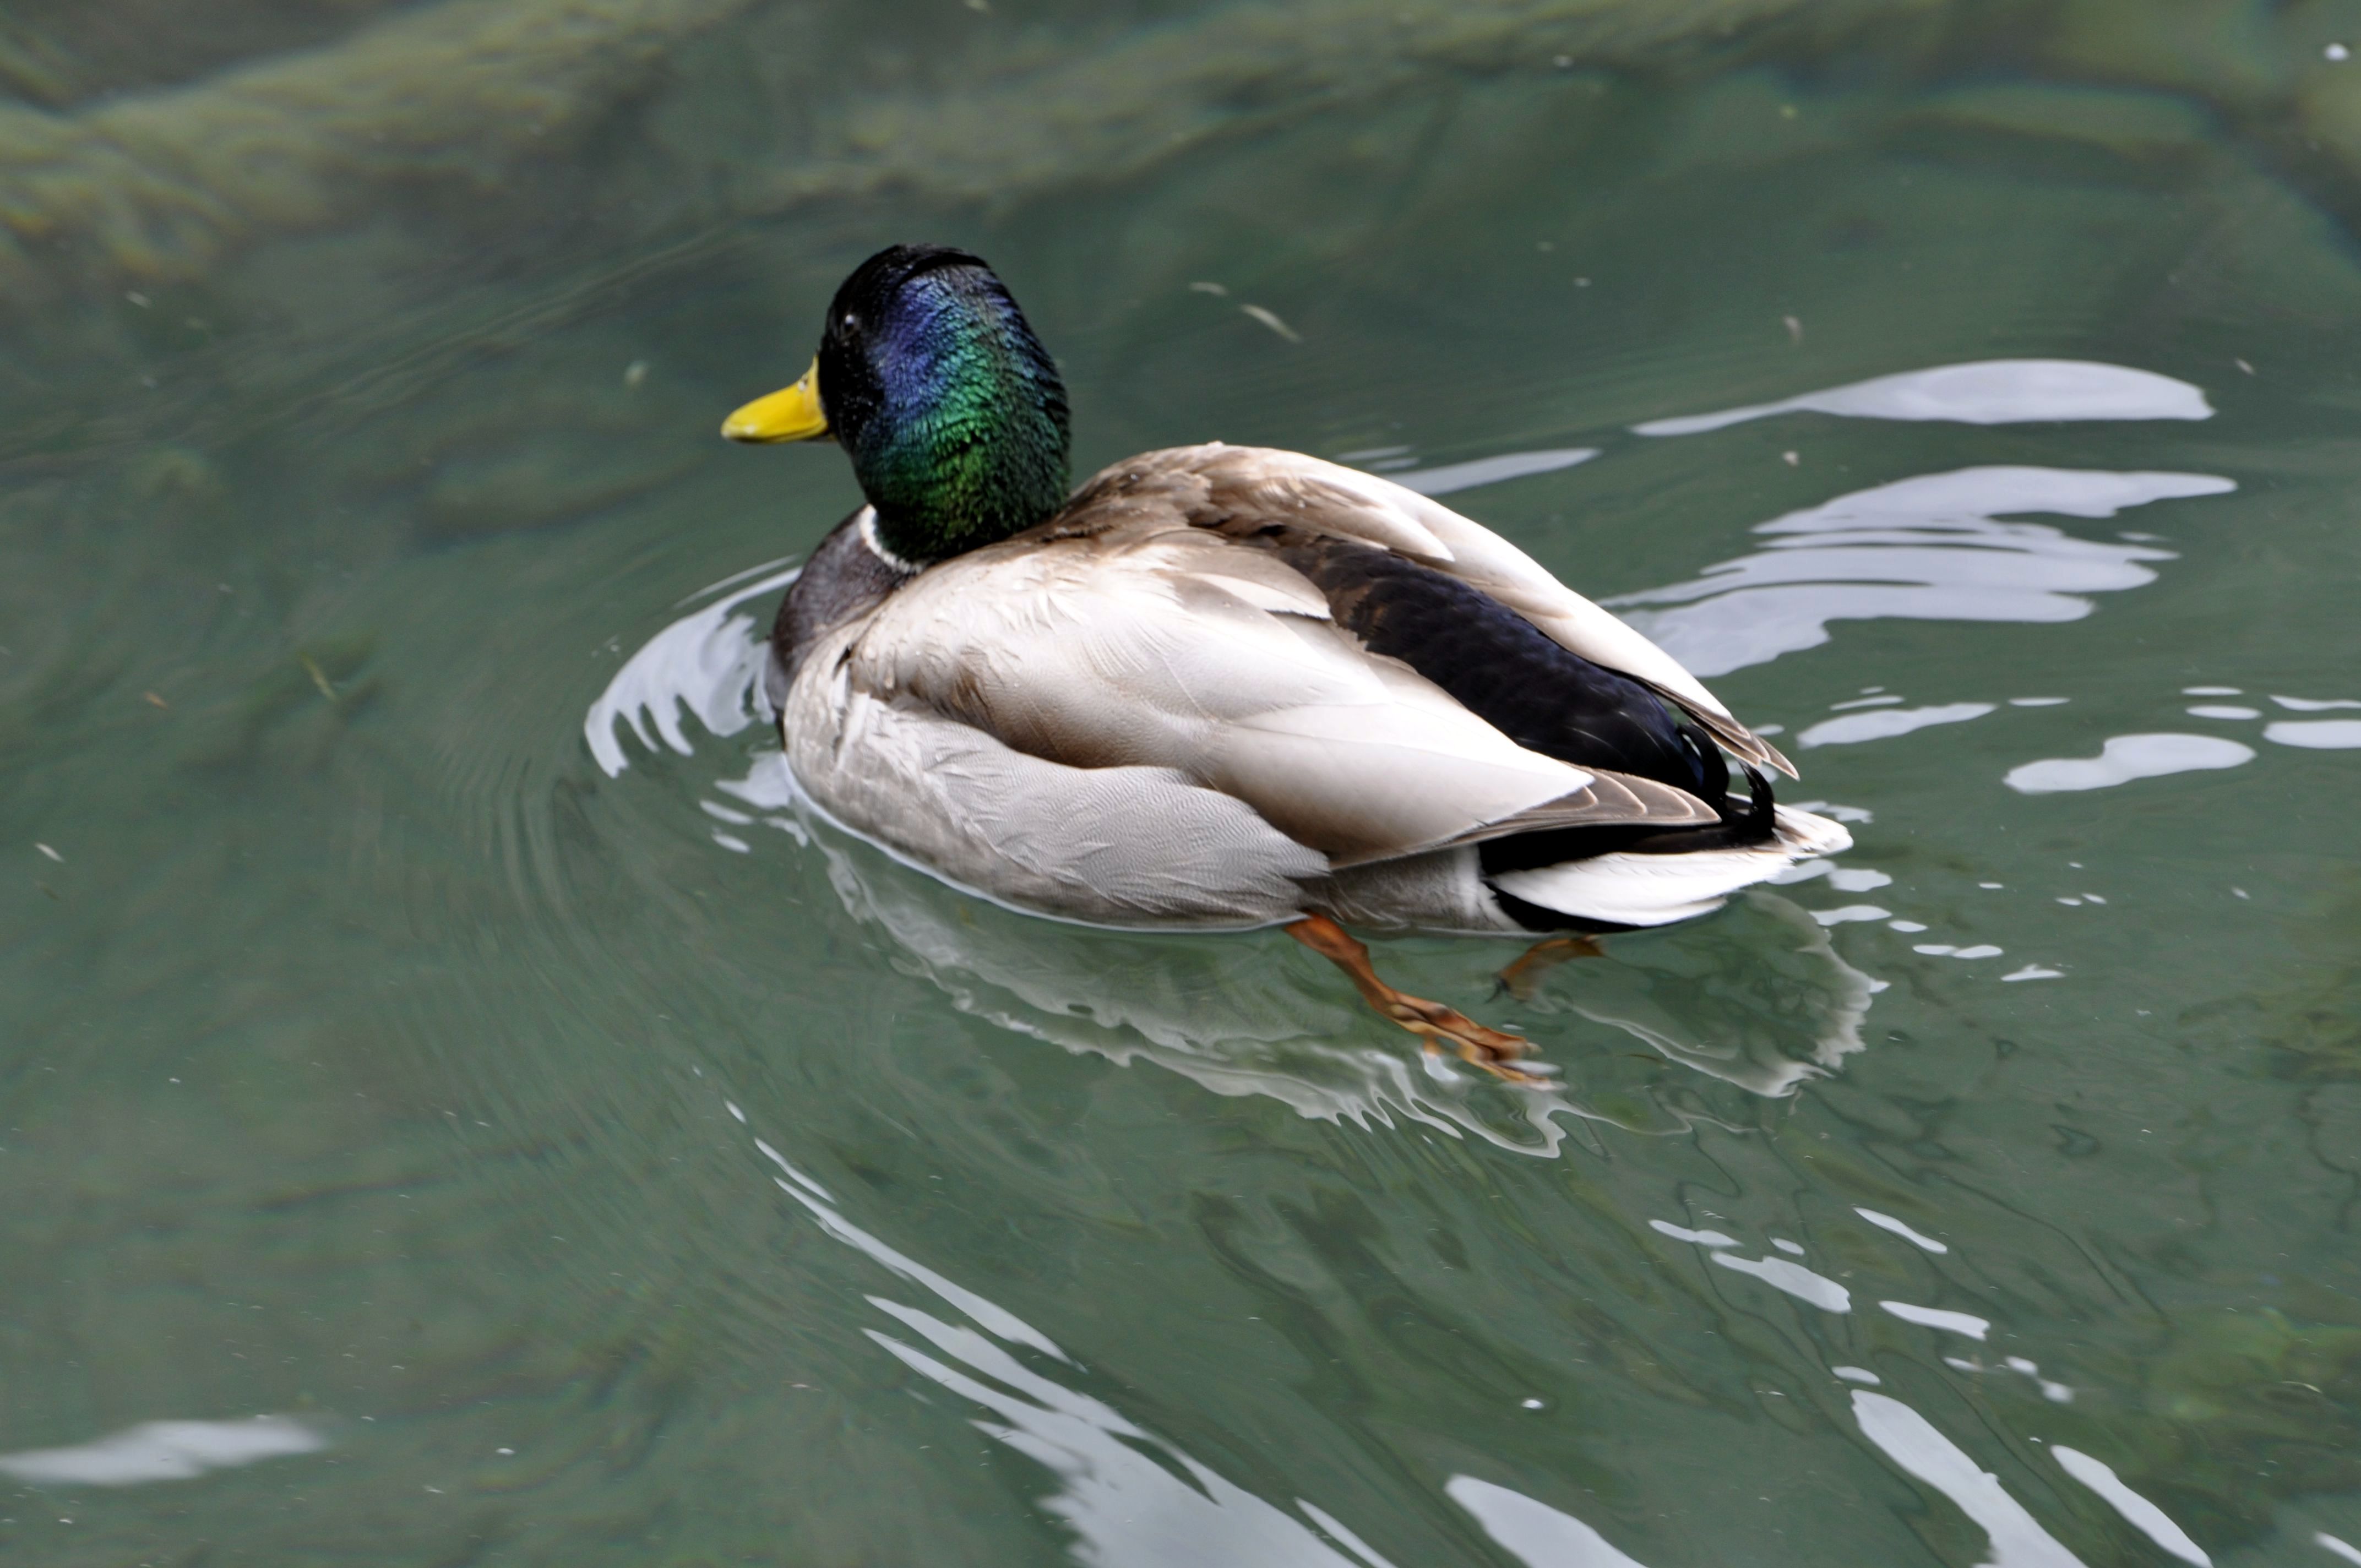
(159, 184)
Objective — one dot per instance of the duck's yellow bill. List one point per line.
(791, 414)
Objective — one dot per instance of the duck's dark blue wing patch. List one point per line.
(1502, 668)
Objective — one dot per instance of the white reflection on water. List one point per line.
(2056, 1393)
(1696, 1238)
(2315, 734)
(709, 661)
(1006, 1324)
(1886, 723)
(1342, 1536)
(2127, 757)
(1983, 391)
(1127, 1508)
(164, 1450)
(1794, 1279)
(1532, 1532)
(2143, 1515)
(1843, 877)
(1901, 1228)
(1927, 548)
(1133, 1499)
(1911, 1440)
(1451, 476)
(1966, 1323)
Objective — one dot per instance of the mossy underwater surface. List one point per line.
(433, 1024)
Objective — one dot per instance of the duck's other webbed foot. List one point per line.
(1439, 1028)
(1522, 978)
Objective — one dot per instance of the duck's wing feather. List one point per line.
(1240, 490)
(1127, 636)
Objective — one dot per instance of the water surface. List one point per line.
(458, 1105)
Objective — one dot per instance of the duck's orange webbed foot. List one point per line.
(1437, 1026)
(1522, 978)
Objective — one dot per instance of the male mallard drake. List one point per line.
(1221, 686)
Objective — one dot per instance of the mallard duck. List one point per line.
(1221, 686)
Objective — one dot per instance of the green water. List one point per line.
(591, 1157)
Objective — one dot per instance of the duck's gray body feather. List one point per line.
(1133, 716)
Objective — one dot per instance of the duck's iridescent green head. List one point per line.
(947, 405)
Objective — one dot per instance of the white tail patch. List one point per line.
(1657, 890)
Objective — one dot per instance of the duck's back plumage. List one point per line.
(1226, 686)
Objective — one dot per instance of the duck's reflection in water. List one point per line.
(1756, 997)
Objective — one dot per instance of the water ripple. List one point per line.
(1984, 391)
(1931, 547)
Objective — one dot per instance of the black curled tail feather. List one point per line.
(1757, 822)
(1762, 810)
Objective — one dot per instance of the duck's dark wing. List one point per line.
(1500, 666)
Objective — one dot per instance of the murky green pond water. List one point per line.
(432, 1023)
